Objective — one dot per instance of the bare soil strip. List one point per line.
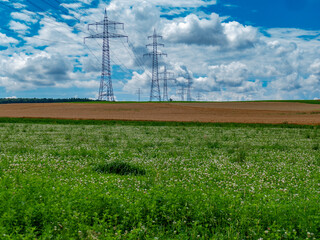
(239, 112)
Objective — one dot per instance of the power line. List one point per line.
(155, 88)
(48, 3)
(57, 31)
(166, 76)
(139, 94)
(135, 58)
(39, 19)
(120, 64)
(42, 39)
(81, 11)
(189, 98)
(106, 89)
(43, 10)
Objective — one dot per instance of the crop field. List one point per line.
(301, 112)
(121, 181)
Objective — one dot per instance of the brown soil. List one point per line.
(241, 112)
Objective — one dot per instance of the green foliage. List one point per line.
(150, 123)
(119, 167)
(43, 100)
(160, 180)
(315, 146)
(298, 101)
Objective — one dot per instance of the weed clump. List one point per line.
(212, 145)
(239, 154)
(315, 146)
(120, 168)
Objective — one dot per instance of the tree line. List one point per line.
(43, 100)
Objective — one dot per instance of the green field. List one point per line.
(122, 180)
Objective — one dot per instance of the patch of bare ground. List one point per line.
(240, 112)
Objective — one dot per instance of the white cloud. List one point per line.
(18, 26)
(229, 61)
(192, 30)
(25, 16)
(18, 5)
(170, 3)
(315, 67)
(240, 36)
(40, 69)
(4, 39)
(92, 84)
(232, 74)
(142, 81)
(210, 31)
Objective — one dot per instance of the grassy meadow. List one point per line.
(144, 181)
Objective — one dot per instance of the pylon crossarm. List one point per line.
(148, 54)
(155, 87)
(109, 23)
(155, 44)
(110, 35)
(106, 89)
(115, 23)
(95, 24)
(155, 36)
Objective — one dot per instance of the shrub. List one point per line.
(120, 168)
(315, 146)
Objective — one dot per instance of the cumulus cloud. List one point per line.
(19, 27)
(315, 67)
(36, 70)
(210, 31)
(142, 81)
(232, 74)
(175, 3)
(228, 82)
(4, 39)
(192, 30)
(91, 84)
(226, 59)
(25, 16)
(240, 36)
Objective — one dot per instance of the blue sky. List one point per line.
(234, 50)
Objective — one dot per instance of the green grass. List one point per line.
(298, 101)
(136, 180)
(119, 167)
(148, 123)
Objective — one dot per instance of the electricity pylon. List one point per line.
(189, 98)
(139, 94)
(155, 86)
(106, 89)
(181, 92)
(198, 97)
(166, 76)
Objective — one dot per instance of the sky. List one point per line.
(234, 50)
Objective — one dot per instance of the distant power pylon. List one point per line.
(155, 86)
(139, 94)
(166, 76)
(198, 97)
(189, 98)
(106, 89)
(181, 92)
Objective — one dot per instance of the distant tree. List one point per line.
(43, 100)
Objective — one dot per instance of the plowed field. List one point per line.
(240, 112)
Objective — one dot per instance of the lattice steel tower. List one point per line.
(189, 98)
(155, 86)
(166, 76)
(106, 89)
(181, 92)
